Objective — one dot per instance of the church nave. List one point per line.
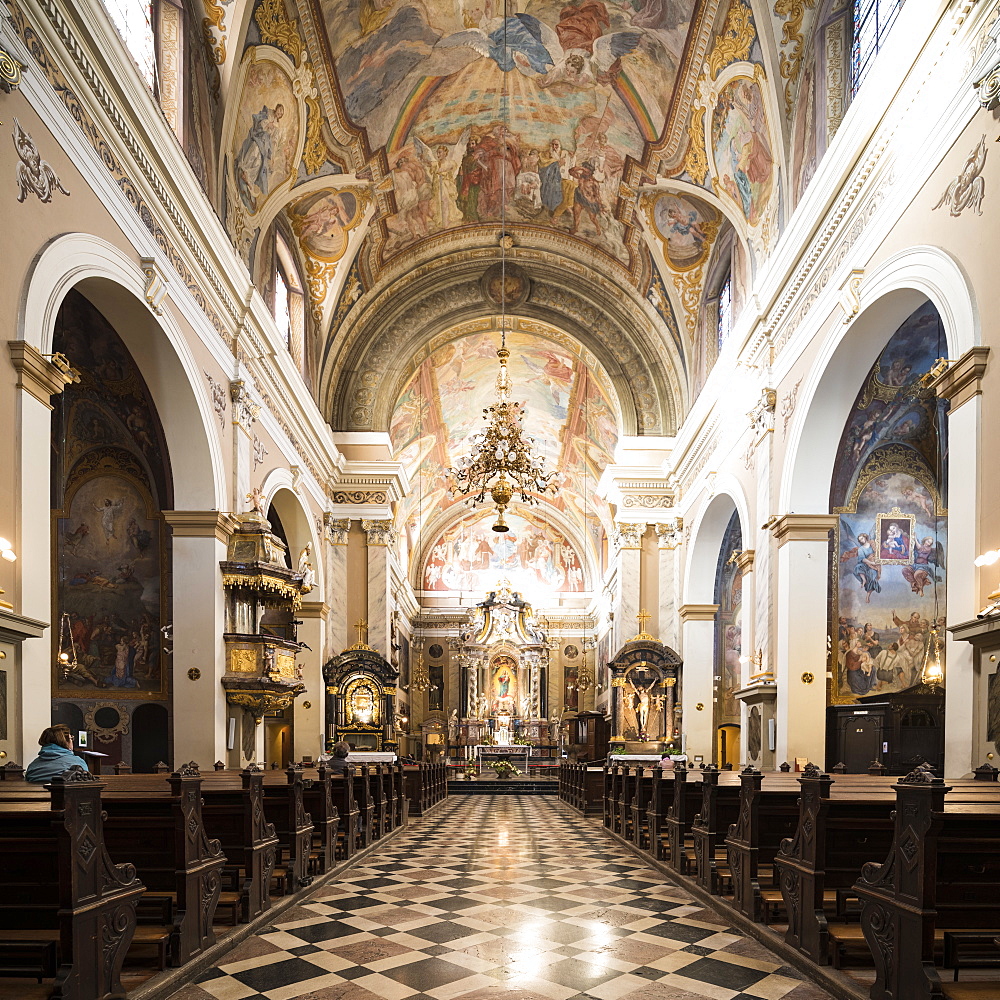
(509, 897)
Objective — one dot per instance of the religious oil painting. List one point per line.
(890, 551)
(266, 137)
(109, 586)
(504, 682)
(741, 144)
(323, 221)
(687, 226)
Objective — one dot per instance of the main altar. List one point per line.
(503, 660)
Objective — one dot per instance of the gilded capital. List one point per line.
(379, 532)
(338, 528)
(628, 535)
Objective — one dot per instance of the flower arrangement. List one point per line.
(505, 769)
(522, 741)
(470, 771)
(617, 750)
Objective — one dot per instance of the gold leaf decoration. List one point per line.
(315, 153)
(277, 29)
(696, 159)
(791, 34)
(214, 18)
(735, 40)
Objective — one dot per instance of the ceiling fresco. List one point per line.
(638, 138)
(569, 413)
(531, 115)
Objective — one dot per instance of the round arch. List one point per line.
(295, 519)
(706, 539)
(115, 285)
(887, 296)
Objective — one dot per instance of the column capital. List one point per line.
(200, 523)
(697, 612)
(379, 532)
(337, 528)
(802, 527)
(668, 533)
(628, 534)
(962, 380)
(40, 376)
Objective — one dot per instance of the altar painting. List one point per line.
(504, 684)
(889, 565)
(728, 626)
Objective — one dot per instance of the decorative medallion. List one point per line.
(33, 173)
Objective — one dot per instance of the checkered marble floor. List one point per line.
(500, 898)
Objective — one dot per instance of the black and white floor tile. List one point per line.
(501, 898)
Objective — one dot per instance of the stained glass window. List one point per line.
(134, 21)
(872, 21)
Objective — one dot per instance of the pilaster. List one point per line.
(199, 621)
(668, 538)
(628, 539)
(308, 707)
(698, 631)
(381, 538)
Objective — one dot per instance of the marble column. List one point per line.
(29, 580)
(668, 537)
(629, 542)
(966, 685)
(307, 709)
(199, 621)
(801, 663)
(697, 686)
(338, 531)
(381, 538)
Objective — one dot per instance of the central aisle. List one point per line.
(501, 898)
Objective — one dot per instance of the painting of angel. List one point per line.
(687, 227)
(742, 147)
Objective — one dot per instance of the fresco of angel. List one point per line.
(442, 163)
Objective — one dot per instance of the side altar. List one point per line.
(645, 702)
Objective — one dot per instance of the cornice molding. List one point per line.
(697, 612)
(803, 527)
(200, 524)
(963, 380)
(314, 609)
(36, 374)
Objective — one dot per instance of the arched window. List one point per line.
(134, 21)
(289, 303)
(872, 21)
(724, 314)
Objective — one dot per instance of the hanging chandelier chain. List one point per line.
(503, 460)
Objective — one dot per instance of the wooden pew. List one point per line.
(611, 781)
(342, 790)
(285, 810)
(661, 794)
(317, 797)
(719, 809)
(639, 808)
(942, 873)
(768, 814)
(157, 825)
(842, 825)
(680, 816)
(233, 813)
(58, 884)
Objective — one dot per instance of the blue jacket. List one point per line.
(51, 761)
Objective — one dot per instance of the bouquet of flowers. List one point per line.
(470, 771)
(505, 769)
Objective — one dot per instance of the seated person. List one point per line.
(338, 762)
(55, 756)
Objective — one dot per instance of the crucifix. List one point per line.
(362, 626)
(642, 617)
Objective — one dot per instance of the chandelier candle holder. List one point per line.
(503, 460)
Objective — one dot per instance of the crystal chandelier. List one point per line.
(503, 461)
